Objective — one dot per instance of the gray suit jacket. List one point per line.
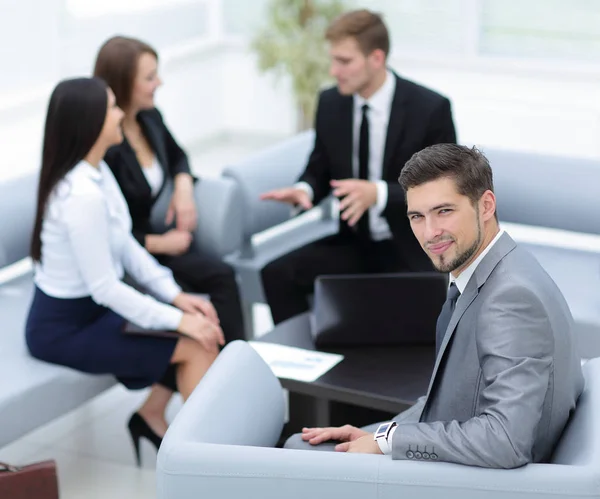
(507, 376)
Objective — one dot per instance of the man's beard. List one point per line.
(463, 257)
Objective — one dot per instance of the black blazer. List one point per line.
(124, 164)
(419, 118)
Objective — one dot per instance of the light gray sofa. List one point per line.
(33, 393)
(277, 166)
(551, 205)
(220, 446)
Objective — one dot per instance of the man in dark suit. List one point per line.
(366, 129)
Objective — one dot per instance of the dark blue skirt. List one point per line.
(79, 333)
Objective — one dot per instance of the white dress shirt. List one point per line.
(87, 246)
(155, 176)
(380, 106)
(461, 283)
(465, 276)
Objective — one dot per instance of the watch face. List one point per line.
(383, 428)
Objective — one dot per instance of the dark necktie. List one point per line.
(445, 315)
(363, 168)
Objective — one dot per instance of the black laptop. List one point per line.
(377, 309)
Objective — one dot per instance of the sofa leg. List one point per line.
(248, 312)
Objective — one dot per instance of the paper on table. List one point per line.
(295, 363)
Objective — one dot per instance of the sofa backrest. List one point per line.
(220, 215)
(547, 191)
(580, 442)
(18, 199)
(278, 166)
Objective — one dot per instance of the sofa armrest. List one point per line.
(229, 471)
(276, 242)
(239, 400)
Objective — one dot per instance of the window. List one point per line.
(551, 29)
(96, 8)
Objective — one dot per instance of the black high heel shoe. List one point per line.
(138, 428)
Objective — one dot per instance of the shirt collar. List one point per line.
(380, 101)
(463, 279)
(90, 171)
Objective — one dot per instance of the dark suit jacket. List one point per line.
(124, 164)
(419, 118)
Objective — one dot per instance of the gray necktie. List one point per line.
(445, 315)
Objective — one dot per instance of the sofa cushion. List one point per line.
(32, 392)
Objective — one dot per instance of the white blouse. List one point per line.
(155, 176)
(87, 246)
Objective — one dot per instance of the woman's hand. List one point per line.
(203, 330)
(194, 304)
(173, 242)
(182, 207)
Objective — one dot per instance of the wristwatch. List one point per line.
(382, 434)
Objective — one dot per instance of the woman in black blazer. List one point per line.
(143, 162)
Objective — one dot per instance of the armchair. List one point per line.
(219, 447)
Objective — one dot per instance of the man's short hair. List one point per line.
(468, 167)
(366, 27)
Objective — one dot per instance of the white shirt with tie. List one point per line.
(87, 246)
(380, 106)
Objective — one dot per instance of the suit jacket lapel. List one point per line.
(503, 247)
(395, 126)
(133, 165)
(152, 134)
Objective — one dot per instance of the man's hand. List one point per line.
(182, 207)
(345, 433)
(290, 195)
(356, 195)
(194, 304)
(363, 445)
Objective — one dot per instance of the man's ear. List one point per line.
(487, 205)
(378, 57)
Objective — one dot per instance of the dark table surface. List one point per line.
(387, 378)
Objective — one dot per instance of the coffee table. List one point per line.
(371, 383)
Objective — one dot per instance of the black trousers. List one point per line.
(289, 280)
(199, 273)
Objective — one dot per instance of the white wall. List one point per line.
(212, 87)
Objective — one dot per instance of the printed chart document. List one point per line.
(295, 363)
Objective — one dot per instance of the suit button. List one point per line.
(425, 455)
(418, 455)
(410, 454)
(433, 456)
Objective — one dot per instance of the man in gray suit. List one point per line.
(507, 376)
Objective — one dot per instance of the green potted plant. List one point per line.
(292, 43)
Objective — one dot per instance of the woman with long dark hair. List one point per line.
(82, 246)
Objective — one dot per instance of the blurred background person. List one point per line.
(366, 128)
(144, 163)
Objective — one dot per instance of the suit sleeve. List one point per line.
(515, 351)
(317, 173)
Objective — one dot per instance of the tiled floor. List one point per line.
(91, 445)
